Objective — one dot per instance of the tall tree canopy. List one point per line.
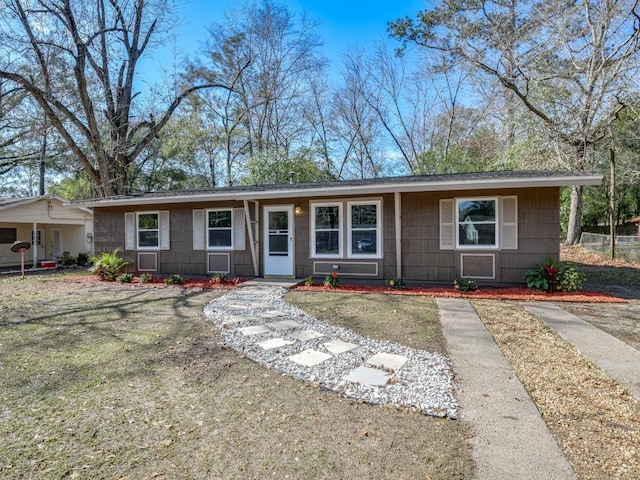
(568, 62)
(78, 61)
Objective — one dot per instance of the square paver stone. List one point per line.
(337, 347)
(241, 318)
(304, 335)
(254, 330)
(272, 314)
(388, 360)
(283, 325)
(367, 376)
(274, 343)
(309, 357)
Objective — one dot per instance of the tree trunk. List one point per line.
(574, 229)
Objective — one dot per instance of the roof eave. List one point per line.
(348, 189)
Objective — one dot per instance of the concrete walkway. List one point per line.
(618, 359)
(511, 441)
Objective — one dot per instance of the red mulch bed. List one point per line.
(519, 294)
(514, 293)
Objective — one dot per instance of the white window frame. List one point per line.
(378, 253)
(496, 222)
(208, 229)
(340, 253)
(138, 230)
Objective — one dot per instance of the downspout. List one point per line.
(397, 197)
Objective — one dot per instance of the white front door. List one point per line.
(278, 240)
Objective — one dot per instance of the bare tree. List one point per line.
(567, 62)
(78, 61)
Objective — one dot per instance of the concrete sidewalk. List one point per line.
(511, 441)
(618, 359)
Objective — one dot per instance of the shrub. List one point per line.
(569, 279)
(332, 281)
(308, 281)
(551, 275)
(397, 283)
(125, 278)
(219, 277)
(108, 265)
(68, 261)
(145, 278)
(175, 279)
(83, 259)
(465, 284)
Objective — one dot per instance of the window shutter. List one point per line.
(165, 229)
(447, 224)
(198, 229)
(238, 229)
(129, 231)
(509, 222)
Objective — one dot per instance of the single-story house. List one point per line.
(51, 227)
(490, 226)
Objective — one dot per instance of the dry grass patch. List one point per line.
(595, 421)
(118, 381)
(411, 321)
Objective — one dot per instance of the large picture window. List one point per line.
(220, 229)
(346, 228)
(477, 222)
(364, 229)
(148, 230)
(326, 221)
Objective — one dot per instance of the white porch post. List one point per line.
(34, 237)
(397, 197)
(252, 243)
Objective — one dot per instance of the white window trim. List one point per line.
(496, 223)
(378, 254)
(207, 229)
(138, 230)
(312, 239)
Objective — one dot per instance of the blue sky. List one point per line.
(344, 23)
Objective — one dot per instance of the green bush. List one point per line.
(332, 280)
(569, 279)
(108, 265)
(550, 276)
(219, 277)
(68, 261)
(465, 284)
(125, 278)
(175, 279)
(397, 283)
(83, 259)
(145, 278)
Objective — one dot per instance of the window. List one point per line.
(364, 229)
(148, 230)
(8, 235)
(326, 220)
(38, 237)
(220, 229)
(357, 232)
(477, 222)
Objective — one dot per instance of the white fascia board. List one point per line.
(368, 189)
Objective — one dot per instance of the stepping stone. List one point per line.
(336, 347)
(274, 343)
(304, 335)
(387, 360)
(241, 318)
(235, 306)
(309, 357)
(367, 376)
(261, 305)
(283, 325)
(254, 330)
(272, 314)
